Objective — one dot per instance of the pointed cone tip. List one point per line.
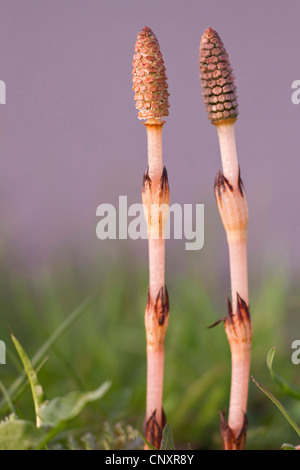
(219, 90)
(149, 78)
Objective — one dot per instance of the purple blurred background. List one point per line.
(70, 138)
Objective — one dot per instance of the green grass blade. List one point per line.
(37, 358)
(49, 436)
(288, 388)
(194, 394)
(26, 384)
(279, 405)
(150, 446)
(7, 398)
(36, 388)
(63, 327)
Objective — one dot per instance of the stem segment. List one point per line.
(155, 372)
(156, 246)
(155, 162)
(238, 270)
(232, 204)
(228, 149)
(240, 370)
(155, 195)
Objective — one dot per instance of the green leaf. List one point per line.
(270, 358)
(19, 435)
(62, 409)
(36, 388)
(279, 406)
(288, 447)
(167, 442)
(288, 388)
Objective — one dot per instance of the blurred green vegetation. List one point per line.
(108, 343)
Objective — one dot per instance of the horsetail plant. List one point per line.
(219, 93)
(151, 95)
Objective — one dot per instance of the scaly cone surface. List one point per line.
(217, 79)
(149, 77)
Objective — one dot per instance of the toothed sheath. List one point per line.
(151, 95)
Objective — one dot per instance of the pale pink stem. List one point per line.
(155, 352)
(155, 373)
(238, 270)
(155, 358)
(237, 240)
(240, 369)
(155, 163)
(156, 266)
(228, 151)
(235, 216)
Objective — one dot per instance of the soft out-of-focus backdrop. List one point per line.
(70, 140)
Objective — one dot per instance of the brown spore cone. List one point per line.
(217, 79)
(149, 77)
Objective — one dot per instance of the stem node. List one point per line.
(230, 441)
